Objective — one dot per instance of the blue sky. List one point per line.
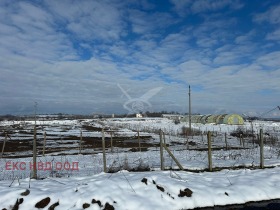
(70, 55)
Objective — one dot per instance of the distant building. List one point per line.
(139, 115)
(172, 116)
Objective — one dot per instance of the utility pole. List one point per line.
(190, 123)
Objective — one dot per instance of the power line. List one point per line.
(277, 107)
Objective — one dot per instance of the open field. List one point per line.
(81, 140)
(131, 146)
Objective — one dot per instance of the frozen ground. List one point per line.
(143, 190)
(228, 186)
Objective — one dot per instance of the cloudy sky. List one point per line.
(110, 56)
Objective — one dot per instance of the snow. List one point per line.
(125, 190)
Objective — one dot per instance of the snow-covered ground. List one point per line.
(143, 190)
(124, 190)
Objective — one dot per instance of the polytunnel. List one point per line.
(212, 119)
(233, 119)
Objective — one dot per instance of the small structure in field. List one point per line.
(139, 115)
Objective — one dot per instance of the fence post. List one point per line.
(161, 151)
(111, 133)
(35, 154)
(243, 141)
(139, 140)
(104, 155)
(4, 143)
(261, 149)
(253, 136)
(44, 145)
(226, 141)
(173, 157)
(209, 151)
(80, 145)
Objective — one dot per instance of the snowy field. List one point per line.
(83, 184)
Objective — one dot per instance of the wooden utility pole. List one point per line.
(190, 123)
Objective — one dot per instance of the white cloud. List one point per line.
(72, 56)
(90, 20)
(271, 15)
(200, 6)
(274, 36)
(270, 60)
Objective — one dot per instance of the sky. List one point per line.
(122, 56)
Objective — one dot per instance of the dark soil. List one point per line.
(52, 207)
(96, 201)
(108, 207)
(43, 203)
(65, 142)
(186, 192)
(25, 193)
(86, 205)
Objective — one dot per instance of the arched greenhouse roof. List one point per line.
(233, 119)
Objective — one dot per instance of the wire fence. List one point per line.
(85, 148)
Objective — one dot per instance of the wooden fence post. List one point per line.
(44, 144)
(226, 141)
(4, 143)
(139, 140)
(261, 149)
(243, 141)
(173, 157)
(253, 136)
(35, 154)
(104, 155)
(161, 151)
(81, 139)
(111, 133)
(209, 151)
